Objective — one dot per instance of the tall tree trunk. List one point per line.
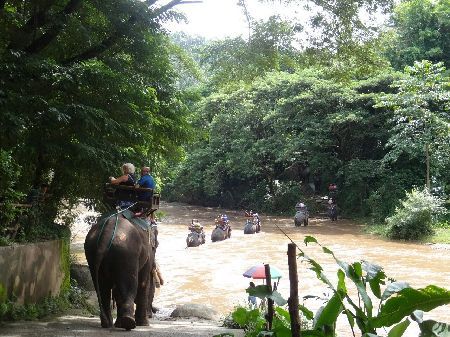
(427, 155)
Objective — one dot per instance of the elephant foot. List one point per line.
(107, 325)
(142, 322)
(125, 322)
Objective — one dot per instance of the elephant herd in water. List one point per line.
(120, 250)
(222, 231)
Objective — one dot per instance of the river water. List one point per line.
(212, 273)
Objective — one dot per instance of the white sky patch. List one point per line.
(217, 19)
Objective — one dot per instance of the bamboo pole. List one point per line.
(269, 316)
(293, 297)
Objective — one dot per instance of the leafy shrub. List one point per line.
(74, 298)
(9, 174)
(415, 217)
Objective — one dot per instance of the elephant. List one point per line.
(221, 233)
(121, 256)
(301, 216)
(332, 212)
(251, 227)
(195, 239)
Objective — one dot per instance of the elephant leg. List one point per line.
(142, 298)
(151, 293)
(105, 297)
(126, 287)
(103, 294)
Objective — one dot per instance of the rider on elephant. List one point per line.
(195, 226)
(300, 206)
(146, 181)
(223, 222)
(127, 179)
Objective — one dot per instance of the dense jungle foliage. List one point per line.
(249, 122)
(363, 108)
(84, 87)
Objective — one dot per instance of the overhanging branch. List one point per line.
(115, 36)
(158, 11)
(61, 19)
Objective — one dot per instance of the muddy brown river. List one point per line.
(212, 273)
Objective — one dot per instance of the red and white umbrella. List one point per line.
(259, 272)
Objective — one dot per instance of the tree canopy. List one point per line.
(85, 87)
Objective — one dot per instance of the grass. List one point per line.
(441, 232)
(441, 235)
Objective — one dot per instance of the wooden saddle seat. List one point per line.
(143, 198)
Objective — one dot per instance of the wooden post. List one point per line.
(269, 316)
(293, 297)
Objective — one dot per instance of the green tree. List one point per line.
(86, 86)
(420, 31)
(234, 60)
(421, 122)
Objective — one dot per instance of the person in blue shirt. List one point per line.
(146, 181)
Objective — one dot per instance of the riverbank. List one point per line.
(441, 236)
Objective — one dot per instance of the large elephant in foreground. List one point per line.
(221, 233)
(121, 256)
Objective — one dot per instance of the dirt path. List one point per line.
(76, 326)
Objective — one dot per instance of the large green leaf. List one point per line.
(312, 333)
(399, 329)
(394, 288)
(309, 239)
(282, 326)
(283, 314)
(263, 291)
(407, 301)
(306, 312)
(277, 298)
(341, 287)
(430, 328)
(375, 276)
(260, 291)
(330, 312)
(240, 316)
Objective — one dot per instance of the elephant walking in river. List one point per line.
(301, 217)
(252, 227)
(221, 233)
(121, 256)
(195, 239)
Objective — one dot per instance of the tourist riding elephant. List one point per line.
(195, 239)
(251, 227)
(332, 212)
(120, 255)
(301, 217)
(221, 233)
